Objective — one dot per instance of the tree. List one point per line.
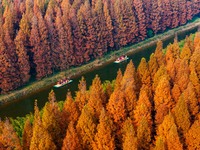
(167, 12)
(9, 78)
(195, 6)
(100, 28)
(182, 116)
(172, 56)
(141, 19)
(129, 137)
(109, 26)
(91, 32)
(69, 37)
(83, 15)
(27, 135)
(77, 37)
(192, 136)
(186, 52)
(104, 138)
(71, 140)
(108, 88)
(195, 62)
(23, 59)
(81, 95)
(182, 74)
(160, 144)
(195, 81)
(143, 72)
(118, 79)
(44, 43)
(29, 8)
(190, 97)
(159, 54)
(169, 133)
(153, 65)
(116, 107)
(189, 10)
(41, 139)
(96, 97)
(63, 45)
(142, 111)
(176, 92)
(128, 87)
(51, 120)
(70, 112)
(182, 11)
(161, 72)
(129, 21)
(156, 15)
(175, 10)
(190, 42)
(8, 137)
(143, 134)
(162, 99)
(147, 10)
(53, 34)
(173, 140)
(197, 40)
(37, 51)
(86, 128)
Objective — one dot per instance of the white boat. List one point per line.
(121, 59)
(62, 83)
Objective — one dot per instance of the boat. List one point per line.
(121, 59)
(62, 83)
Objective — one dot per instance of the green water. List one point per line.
(21, 107)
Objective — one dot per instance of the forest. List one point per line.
(154, 106)
(41, 37)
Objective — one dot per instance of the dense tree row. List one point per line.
(39, 37)
(155, 106)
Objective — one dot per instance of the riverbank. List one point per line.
(109, 58)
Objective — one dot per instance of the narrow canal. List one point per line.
(24, 106)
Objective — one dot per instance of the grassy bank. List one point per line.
(35, 87)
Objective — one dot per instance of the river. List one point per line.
(24, 106)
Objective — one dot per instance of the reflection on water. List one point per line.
(26, 105)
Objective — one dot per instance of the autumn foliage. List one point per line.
(40, 37)
(148, 108)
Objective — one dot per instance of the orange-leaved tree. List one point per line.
(70, 112)
(163, 99)
(159, 54)
(128, 87)
(129, 136)
(41, 138)
(8, 137)
(51, 120)
(192, 136)
(81, 94)
(144, 134)
(104, 138)
(97, 98)
(190, 97)
(182, 116)
(86, 128)
(169, 133)
(143, 72)
(143, 109)
(27, 134)
(153, 65)
(71, 140)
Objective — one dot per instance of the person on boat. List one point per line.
(67, 80)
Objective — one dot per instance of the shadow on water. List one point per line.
(108, 72)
